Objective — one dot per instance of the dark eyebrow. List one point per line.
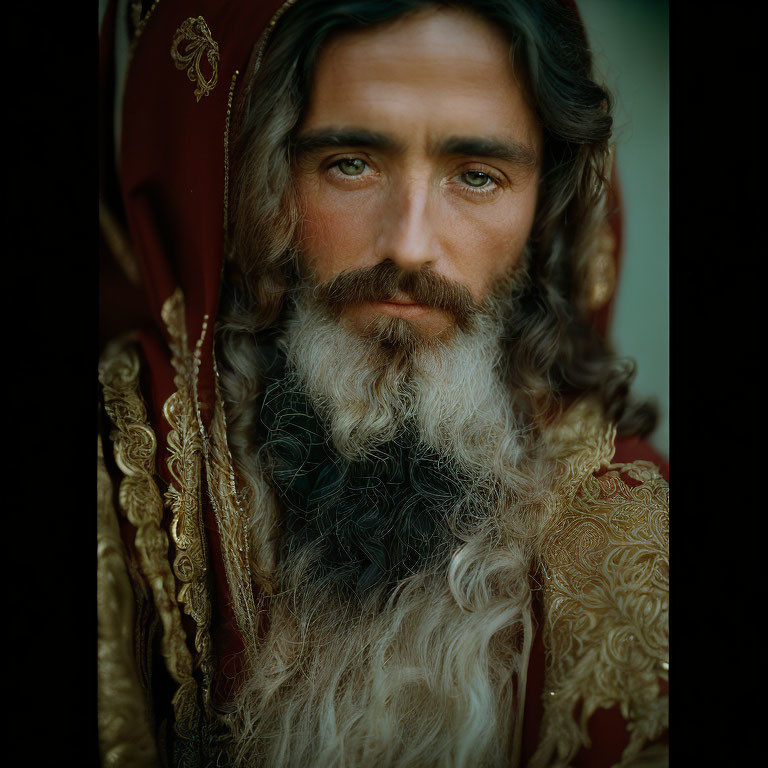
(344, 137)
(508, 150)
(501, 149)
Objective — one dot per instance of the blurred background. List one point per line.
(630, 43)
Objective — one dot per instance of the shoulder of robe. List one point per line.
(604, 567)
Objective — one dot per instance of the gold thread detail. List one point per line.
(605, 562)
(265, 35)
(183, 496)
(222, 488)
(582, 442)
(135, 447)
(125, 737)
(226, 149)
(222, 491)
(268, 32)
(228, 518)
(195, 37)
(232, 521)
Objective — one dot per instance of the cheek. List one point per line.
(488, 243)
(333, 237)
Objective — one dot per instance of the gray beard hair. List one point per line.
(369, 389)
(436, 675)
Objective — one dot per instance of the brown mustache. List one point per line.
(382, 282)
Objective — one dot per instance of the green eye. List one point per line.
(476, 178)
(351, 166)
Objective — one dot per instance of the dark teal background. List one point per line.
(630, 42)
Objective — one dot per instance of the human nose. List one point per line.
(408, 229)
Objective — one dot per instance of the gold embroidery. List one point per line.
(196, 36)
(125, 737)
(134, 448)
(232, 523)
(226, 149)
(605, 630)
(230, 518)
(583, 442)
(265, 35)
(183, 495)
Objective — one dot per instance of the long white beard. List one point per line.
(450, 392)
(436, 676)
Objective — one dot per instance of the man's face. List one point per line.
(419, 148)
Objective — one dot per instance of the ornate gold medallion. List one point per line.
(195, 39)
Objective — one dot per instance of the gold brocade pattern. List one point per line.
(125, 737)
(195, 39)
(183, 495)
(134, 446)
(226, 148)
(605, 563)
(232, 523)
(230, 517)
(583, 442)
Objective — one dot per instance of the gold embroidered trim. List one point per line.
(230, 517)
(605, 611)
(196, 38)
(134, 446)
(232, 522)
(268, 32)
(265, 35)
(183, 495)
(125, 736)
(226, 149)
(582, 442)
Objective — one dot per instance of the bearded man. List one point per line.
(373, 509)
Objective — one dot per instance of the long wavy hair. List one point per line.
(554, 355)
(446, 649)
